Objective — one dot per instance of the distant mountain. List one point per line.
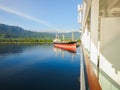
(7, 31)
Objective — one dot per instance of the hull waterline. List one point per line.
(66, 46)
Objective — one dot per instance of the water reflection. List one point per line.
(62, 52)
(10, 49)
(13, 48)
(36, 67)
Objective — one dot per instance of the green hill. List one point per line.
(7, 31)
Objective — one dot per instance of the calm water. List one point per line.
(38, 67)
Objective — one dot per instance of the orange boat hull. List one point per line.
(69, 47)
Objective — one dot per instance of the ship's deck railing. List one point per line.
(88, 79)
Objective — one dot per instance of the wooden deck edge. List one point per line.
(92, 78)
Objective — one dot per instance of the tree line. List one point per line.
(24, 40)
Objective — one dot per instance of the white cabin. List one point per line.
(100, 21)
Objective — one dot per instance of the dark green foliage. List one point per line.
(17, 34)
(24, 40)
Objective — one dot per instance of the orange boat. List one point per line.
(66, 45)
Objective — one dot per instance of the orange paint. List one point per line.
(69, 47)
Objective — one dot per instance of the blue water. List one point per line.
(38, 67)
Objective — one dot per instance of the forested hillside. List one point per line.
(7, 31)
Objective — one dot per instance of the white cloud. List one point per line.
(42, 22)
(21, 14)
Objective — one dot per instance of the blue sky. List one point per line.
(40, 15)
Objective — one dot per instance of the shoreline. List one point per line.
(25, 42)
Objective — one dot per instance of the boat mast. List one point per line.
(57, 36)
(72, 36)
(63, 37)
